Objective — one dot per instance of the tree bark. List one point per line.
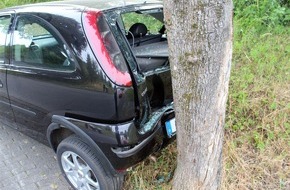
(200, 48)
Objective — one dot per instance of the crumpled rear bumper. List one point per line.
(155, 126)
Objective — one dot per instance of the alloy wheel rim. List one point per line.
(78, 172)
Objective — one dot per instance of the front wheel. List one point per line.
(81, 167)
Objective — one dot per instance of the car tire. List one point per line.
(82, 168)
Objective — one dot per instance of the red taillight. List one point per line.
(106, 48)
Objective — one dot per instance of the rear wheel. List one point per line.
(82, 168)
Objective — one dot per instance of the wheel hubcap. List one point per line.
(78, 172)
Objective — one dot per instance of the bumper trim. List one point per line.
(124, 154)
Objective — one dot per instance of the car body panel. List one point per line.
(5, 108)
(125, 122)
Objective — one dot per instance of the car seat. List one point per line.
(138, 35)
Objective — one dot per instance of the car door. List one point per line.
(37, 75)
(5, 108)
(46, 77)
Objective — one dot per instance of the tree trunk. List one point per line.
(200, 47)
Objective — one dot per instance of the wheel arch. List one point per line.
(60, 129)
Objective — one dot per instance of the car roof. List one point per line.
(81, 4)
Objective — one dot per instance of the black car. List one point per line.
(92, 80)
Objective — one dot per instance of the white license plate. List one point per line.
(170, 127)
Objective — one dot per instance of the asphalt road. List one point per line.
(26, 164)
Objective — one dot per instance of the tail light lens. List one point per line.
(106, 48)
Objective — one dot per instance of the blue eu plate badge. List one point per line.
(170, 127)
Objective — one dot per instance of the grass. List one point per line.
(257, 134)
(257, 131)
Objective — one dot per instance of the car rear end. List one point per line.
(138, 66)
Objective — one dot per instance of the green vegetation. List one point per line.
(257, 140)
(257, 131)
(9, 3)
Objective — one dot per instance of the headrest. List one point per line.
(138, 30)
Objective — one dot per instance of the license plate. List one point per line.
(170, 127)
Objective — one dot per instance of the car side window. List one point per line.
(4, 26)
(36, 45)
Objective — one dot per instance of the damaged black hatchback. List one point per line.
(92, 80)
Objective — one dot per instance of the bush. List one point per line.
(261, 13)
